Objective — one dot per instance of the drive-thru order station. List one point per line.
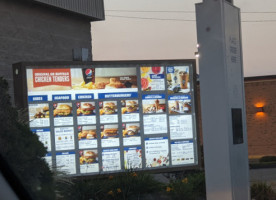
(98, 118)
(222, 100)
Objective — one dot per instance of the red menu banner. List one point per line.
(46, 77)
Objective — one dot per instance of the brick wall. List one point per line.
(261, 127)
(31, 32)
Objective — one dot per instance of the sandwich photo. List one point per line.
(88, 157)
(62, 110)
(108, 107)
(87, 132)
(86, 108)
(131, 130)
(131, 106)
(109, 131)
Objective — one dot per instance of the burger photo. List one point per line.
(131, 130)
(110, 132)
(109, 108)
(86, 109)
(62, 110)
(88, 157)
(131, 106)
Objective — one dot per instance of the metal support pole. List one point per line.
(222, 100)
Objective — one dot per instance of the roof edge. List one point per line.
(260, 78)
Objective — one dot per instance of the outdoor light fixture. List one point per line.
(196, 54)
(259, 109)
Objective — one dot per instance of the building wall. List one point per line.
(31, 32)
(261, 127)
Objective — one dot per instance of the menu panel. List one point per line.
(157, 152)
(109, 135)
(44, 136)
(66, 162)
(39, 115)
(86, 113)
(63, 114)
(182, 152)
(133, 157)
(130, 110)
(87, 136)
(89, 161)
(155, 124)
(152, 78)
(99, 119)
(178, 79)
(48, 159)
(111, 159)
(131, 134)
(181, 127)
(64, 138)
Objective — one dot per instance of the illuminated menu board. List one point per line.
(104, 118)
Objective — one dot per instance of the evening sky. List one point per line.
(162, 29)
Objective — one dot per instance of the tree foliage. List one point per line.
(23, 151)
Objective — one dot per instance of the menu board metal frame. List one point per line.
(146, 140)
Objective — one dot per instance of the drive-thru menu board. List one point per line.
(102, 117)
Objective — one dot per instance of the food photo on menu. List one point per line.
(87, 132)
(154, 104)
(109, 131)
(39, 115)
(152, 78)
(64, 79)
(39, 111)
(179, 106)
(178, 80)
(85, 108)
(115, 78)
(108, 107)
(131, 130)
(88, 156)
(62, 109)
(129, 106)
